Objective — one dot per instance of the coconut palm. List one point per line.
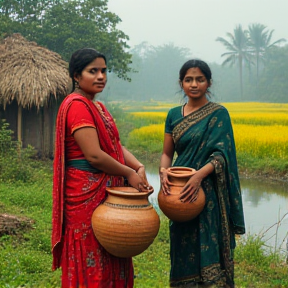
(260, 42)
(237, 46)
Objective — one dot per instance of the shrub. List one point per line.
(15, 161)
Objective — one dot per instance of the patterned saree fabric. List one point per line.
(76, 194)
(202, 249)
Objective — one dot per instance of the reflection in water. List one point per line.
(257, 190)
(265, 203)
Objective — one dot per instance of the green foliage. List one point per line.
(273, 85)
(7, 26)
(142, 147)
(65, 26)
(25, 260)
(15, 162)
(251, 165)
(238, 52)
(147, 147)
(121, 119)
(248, 48)
(257, 267)
(17, 266)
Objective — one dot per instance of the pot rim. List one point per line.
(185, 171)
(130, 191)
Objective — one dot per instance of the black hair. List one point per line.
(196, 63)
(80, 59)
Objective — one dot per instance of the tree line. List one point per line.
(158, 67)
(255, 67)
(64, 26)
(249, 47)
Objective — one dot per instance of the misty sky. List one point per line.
(196, 24)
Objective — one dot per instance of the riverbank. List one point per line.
(257, 170)
(271, 177)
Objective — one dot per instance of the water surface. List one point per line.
(265, 204)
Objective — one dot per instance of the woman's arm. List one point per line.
(133, 162)
(88, 141)
(190, 190)
(168, 151)
(166, 161)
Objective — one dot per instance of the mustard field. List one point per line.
(149, 117)
(260, 130)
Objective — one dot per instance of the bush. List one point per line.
(15, 162)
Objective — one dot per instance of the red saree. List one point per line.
(76, 194)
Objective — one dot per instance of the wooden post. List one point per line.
(19, 131)
(19, 125)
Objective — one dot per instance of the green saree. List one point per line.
(201, 250)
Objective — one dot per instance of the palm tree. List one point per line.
(259, 42)
(237, 47)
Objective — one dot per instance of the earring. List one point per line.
(76, 84)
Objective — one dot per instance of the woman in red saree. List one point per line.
(88, 157)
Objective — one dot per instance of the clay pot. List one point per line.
(126, 223)
(171, 206)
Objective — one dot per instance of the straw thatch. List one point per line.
(30, 74)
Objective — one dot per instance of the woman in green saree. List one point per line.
(200, 132)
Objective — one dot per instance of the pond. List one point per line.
(265, 208)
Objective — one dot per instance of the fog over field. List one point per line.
(196, 24)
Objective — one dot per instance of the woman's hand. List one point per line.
(191, 189)
(141, 172)
(164, 181)
(136, 181)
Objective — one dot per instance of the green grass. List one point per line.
(257, 267)
(273, 168)
(25, 260)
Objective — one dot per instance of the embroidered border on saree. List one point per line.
(193, 118)
(82, 125)
(210, 275)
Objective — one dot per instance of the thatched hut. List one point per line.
(33, 82)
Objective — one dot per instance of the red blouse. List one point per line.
(78, 116)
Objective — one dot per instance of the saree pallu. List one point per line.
(201, 250)
(76, 194)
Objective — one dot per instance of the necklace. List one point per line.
(84, 94)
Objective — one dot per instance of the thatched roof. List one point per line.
(30, 74)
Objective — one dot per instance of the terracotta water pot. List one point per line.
(126, 223)
(171, 206)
